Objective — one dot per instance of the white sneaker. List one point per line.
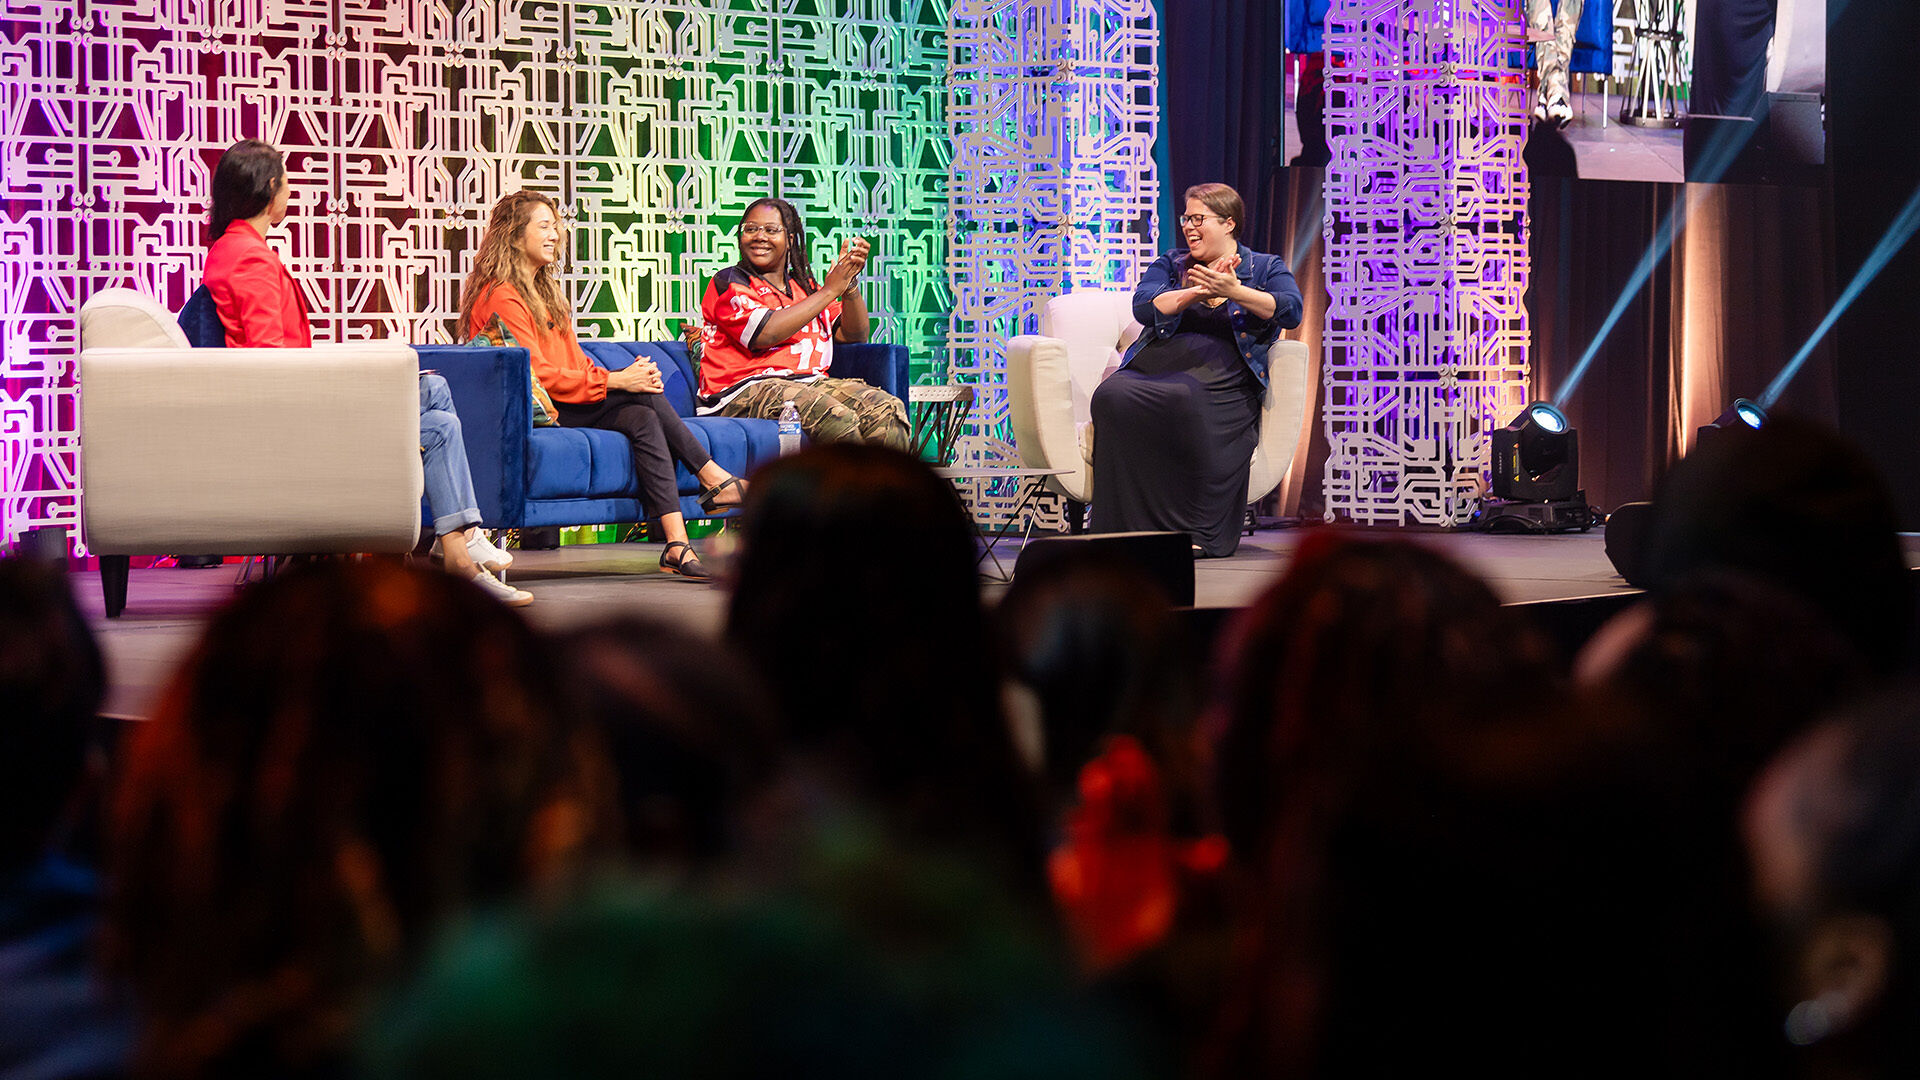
(486, 554)
(480, 550)
(501, 591)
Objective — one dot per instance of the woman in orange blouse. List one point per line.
(512, 278)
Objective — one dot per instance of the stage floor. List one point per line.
(166, 608)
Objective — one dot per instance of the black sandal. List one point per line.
(710, 498)
(687, 565)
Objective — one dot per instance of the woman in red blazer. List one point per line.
(261, 307)
(259, 304)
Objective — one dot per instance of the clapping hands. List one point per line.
(846, 269)
(1214, 279)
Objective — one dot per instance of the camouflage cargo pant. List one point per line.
(831, 410)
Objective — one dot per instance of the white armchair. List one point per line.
(1083, 335)
(240, 451)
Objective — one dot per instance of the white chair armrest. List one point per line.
(250, 451)
(1040, 410)
(1283, 416)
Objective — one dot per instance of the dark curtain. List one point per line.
(1224, 99)
(1588, 238)
(1743, 276)
(1876, 170)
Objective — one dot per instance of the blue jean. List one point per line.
(449, 482)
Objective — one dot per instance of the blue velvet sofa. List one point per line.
(527, 477)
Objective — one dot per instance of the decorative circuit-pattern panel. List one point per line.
(651, 122)
(1426, 254)
(1053, 106)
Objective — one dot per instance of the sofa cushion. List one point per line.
(676, 371)
(127, 319)
(1094, 325)
(612, 473)
(738, 444)
(578, 463)
(559, 463)
(200, 321)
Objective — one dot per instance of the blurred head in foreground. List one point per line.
(1795, 504)
(353, 750)
(52, 681)
(1833, 826)
(689, 731)
(1442, 861)
(917, 980)
(857, 600)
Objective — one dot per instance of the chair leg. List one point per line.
(113, 583)
(1076, 517)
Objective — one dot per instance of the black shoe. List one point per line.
(710, 498)
(687, 565)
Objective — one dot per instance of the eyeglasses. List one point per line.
(1195, 219)
(768, 231)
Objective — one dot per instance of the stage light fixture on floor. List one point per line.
(1536, 475)
(1742, 415)
(1537, 457)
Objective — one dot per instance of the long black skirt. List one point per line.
(1173, 439)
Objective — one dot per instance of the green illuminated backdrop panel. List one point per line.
(652, 122)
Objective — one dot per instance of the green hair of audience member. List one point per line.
(914, 970)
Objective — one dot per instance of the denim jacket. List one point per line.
(1253, 335)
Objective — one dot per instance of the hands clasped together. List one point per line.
(1213, 280)
(640, 377)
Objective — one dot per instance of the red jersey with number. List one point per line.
(737, 304)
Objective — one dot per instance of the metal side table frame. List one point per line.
(1031, 483)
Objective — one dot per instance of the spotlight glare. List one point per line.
(1905, 224)
(1549, 418)
(1740, 417)
(1713, 163)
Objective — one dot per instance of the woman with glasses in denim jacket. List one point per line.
(1175, 427)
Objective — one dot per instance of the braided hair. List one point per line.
(797, 268)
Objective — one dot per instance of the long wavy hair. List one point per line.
(501, 260)
(797, 266)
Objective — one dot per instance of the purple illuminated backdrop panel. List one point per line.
(1426, 254)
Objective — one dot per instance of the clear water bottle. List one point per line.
(789, 428)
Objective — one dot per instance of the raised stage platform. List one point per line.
(166, 608)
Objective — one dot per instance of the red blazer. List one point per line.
(258, 302)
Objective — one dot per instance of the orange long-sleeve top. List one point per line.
(559, 363)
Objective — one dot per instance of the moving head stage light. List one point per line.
(1536, 476)
(1742, 416)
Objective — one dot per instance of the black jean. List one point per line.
(657, 434)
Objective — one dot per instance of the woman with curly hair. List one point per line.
(513, 281)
